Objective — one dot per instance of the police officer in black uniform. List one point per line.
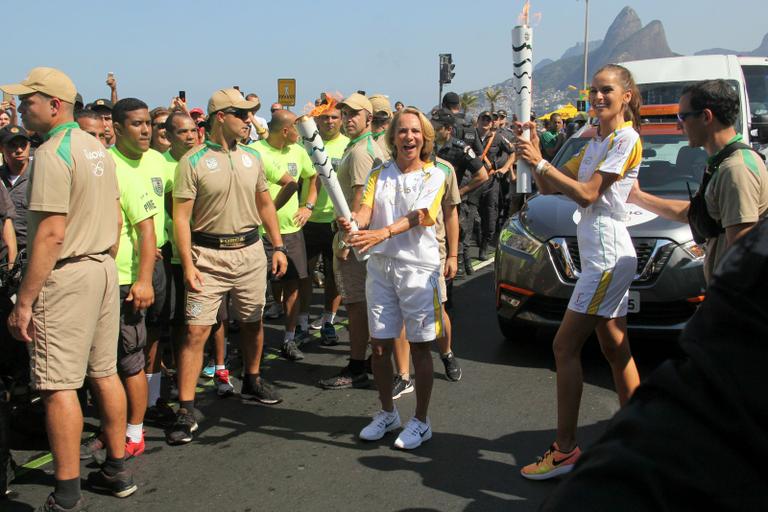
(470, 174)
(497, 155)
(462, 126)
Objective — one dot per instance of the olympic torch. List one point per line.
(522, 62)
(314, 145)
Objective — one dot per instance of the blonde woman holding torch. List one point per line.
(599, 179)
(400, 204)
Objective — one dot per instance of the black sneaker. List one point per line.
(291, 352)
(346, 379)
(182, 429)
(120, 485)
(401, 387)
(50, 505)
(261, 391)
(452, 368)
(160, 414)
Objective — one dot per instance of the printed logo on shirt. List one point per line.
(93, 155)
(212, 164)
(247, 161)
(293, 169)
(150, 206)
(157, 186)
(98, 168)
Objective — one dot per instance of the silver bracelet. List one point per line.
(540, 166)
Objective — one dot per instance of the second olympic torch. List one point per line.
(314, 145)
(522, 61)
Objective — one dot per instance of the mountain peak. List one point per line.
(624, 25)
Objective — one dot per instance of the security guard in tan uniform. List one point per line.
(220, 198)
(68, 308)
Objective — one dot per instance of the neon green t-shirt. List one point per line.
(170, 170)
(323, 211)
(277, 162)
(153, 168)
(137, 203)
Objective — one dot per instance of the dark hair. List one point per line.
(632, 109)
(718, 97)
(124, 106)
(90, 114)
(168, 125)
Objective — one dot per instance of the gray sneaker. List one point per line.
(452, 368)
(50, 505)
(291, 352)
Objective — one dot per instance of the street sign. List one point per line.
(286, 91)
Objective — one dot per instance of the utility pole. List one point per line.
(586, 41)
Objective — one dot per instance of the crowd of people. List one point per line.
(143, 224)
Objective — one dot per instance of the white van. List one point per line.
(661, 81)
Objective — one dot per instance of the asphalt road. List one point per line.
(304, 453)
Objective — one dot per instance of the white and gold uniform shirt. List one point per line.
(391, 194)
(619, 153)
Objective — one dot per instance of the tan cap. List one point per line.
(380, 103)
(49, 81)
(357, 101)
(230, 98)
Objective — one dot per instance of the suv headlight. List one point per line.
(694, 250)
(516, 237)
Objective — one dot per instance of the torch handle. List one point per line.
(524, 170)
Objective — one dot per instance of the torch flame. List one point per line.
(523, 18)
(331, 100)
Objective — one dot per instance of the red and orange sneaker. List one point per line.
(134, 449)
(554, 463)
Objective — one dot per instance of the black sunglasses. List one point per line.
(240, 114)
(682, 116)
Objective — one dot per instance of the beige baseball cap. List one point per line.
(230, 98)
(380, 103)
(357, 101)
(48, 81)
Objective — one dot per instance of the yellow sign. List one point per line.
(286, 91)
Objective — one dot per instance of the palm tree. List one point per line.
(492, 95)
(468, 101)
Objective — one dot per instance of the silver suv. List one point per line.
(537, 259)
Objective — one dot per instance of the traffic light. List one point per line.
(446, 68)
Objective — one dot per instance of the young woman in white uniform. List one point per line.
(599, 179)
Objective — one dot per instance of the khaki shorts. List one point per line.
(77, 321)
(240, 272)
(350, 278)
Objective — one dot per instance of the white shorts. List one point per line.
(608, 266)
(399, 292)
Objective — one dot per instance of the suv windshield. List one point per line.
(669, 165)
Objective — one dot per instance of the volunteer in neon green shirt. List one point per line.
(286, 162)
(318, 235)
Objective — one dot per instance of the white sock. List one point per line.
(153, 382)
(304, 321)
(133, 432)
(329, 317)
(288, 336)
(220, 367)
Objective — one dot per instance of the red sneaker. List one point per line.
(134, 449)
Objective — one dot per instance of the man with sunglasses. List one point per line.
(220, 199)
(735, 185)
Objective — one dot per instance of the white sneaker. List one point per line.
(317, 324)
(414, 433)
(274, 311)
(382, 423)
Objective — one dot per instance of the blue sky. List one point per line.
(159, 47)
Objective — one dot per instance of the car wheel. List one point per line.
(516, 331)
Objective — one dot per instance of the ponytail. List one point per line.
(632, 109)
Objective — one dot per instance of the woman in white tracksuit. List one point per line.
(397, 215)
(599, 179)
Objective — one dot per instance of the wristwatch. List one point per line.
(309, 206)
(280, 248)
